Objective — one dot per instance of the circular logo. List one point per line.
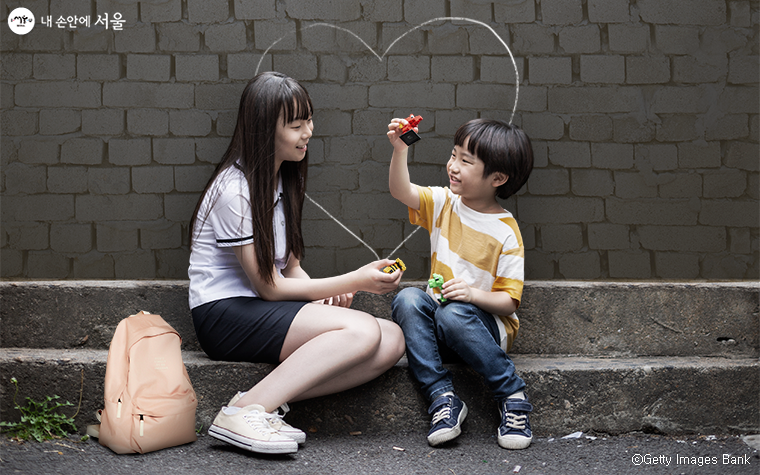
(21, 21)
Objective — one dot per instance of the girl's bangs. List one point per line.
(297, 106)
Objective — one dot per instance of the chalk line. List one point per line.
(380, 58)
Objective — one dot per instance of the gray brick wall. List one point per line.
(643, 114)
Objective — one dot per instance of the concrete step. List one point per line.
(569, 318)
(659, 357)
(669, 395)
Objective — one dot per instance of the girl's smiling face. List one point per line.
(291, 140)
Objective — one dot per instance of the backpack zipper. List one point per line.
(118, 410)
(142, 425)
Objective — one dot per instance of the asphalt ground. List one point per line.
(398, 453)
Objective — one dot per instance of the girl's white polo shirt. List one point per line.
(224, 221)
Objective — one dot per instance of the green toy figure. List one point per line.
(436, 283)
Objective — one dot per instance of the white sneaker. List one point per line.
(276, 421)
(249, 428)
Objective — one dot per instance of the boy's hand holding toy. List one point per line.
(407, 128)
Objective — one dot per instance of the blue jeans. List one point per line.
(433, 330)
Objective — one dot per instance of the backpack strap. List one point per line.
(94, 429)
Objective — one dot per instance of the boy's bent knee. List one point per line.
(408, 296)
(408, 303)
(454, 316)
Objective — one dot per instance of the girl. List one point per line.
(249, 296)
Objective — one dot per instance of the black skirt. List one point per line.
(244, 328)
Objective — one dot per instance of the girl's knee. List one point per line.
(364, 332)
(393, 339)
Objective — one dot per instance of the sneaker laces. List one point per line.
(277, 421)
(274, 419)
(259, 421)
(513, 421)
(443, 413)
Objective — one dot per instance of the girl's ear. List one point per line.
(498, 179)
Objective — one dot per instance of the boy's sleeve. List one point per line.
(510, 279)
(425, 215)
(510, 272)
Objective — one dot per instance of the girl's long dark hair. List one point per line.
(252, 150)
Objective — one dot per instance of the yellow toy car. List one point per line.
(394, 267)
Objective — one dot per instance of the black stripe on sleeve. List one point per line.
(229, 241)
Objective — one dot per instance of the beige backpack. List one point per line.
(149, 400)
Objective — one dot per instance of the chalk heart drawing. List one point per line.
(381, 57)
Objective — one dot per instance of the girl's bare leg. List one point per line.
(327, 349)
(390, 351)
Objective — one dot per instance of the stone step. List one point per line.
(609, 319)
(669, 395)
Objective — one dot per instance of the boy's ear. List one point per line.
(498, 179)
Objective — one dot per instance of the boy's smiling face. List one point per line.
(466, 179)
(465, 170)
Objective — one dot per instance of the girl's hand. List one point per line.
(394, 132)
(371, 277)
(457, 289)
(342, 300)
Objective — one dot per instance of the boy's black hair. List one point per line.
(502, 147)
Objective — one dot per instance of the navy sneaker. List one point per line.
(514, 430)
(448, 414)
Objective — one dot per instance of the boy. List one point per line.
(476, 246)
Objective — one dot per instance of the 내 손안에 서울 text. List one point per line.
(21, 21)
(115, 21)
(690, 460)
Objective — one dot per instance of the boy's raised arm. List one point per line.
(399, 183)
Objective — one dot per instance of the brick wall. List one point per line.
(643, 115)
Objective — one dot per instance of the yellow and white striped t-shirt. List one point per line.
(485, 250)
